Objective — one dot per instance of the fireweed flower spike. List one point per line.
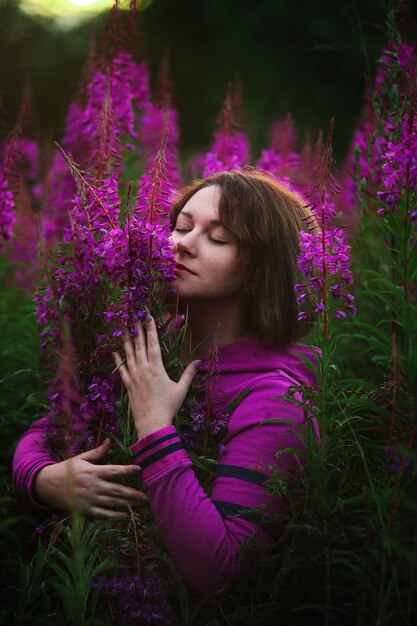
(382, 160)
(58, 189)
(72, 296)
(105, 155)
(138, 255)
(324, 253)
(160, 125)
(10, 156)
(7, 216)
(230, 148)
(399, 167)
(96, 124)
(111, 94)
(98, 279)
(23, 249)
(20, 202)
(107, 111)
(155, 187)
(280, 159)
(108, 271)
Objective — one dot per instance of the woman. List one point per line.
(236, 241)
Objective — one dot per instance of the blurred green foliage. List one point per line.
(311, 60)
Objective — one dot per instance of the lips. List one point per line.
(183, 268)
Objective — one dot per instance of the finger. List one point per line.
(128, 346)
(97, 454)
(140, 343)
(121, 368)
(115, 471)
(154, 349)
(117, 503)
(104, 513)
(115, 490)
(187, 377)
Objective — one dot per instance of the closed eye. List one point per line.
(217, 241)
(188, 230)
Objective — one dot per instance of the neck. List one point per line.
(207, 320)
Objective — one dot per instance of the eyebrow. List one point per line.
(214, 222)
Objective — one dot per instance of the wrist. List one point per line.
(50, 485)
(144, 429)
(41, 483)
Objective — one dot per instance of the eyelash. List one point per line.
(216, 241)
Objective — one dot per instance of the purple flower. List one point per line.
(382, 160)
(7, 215)
(324, 254)
(40, 529)
(212, 414)
(230, 148)
(399, 162)
(102, 393)
(136, 600)
(280, 159)
(101, 280)
(397, 464)
(10, 160)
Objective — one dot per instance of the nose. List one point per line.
(185, 246)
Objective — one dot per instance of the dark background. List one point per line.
(307, 57)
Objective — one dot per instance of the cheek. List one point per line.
(228, 269)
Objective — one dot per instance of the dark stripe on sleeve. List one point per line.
(242, 473)
(160, 454)
(238, 510)
(155, 443)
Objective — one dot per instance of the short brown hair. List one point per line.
(266, 217)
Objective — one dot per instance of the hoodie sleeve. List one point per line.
(203, 533)
(29, 458)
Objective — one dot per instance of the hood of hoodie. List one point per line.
(240, 362)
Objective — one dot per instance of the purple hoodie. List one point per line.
(203, 533)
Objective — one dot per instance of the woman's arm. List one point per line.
(203, 534)
(29, 459)
(76, 484)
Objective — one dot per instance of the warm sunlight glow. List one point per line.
(67, 13)
(83, 3)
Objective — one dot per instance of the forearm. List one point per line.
(203, 543)
(29, 458)
(204, 534)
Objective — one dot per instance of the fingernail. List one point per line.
(106, 441)
(137, 469)
(148, 318)
(144, 498)
(197, 364)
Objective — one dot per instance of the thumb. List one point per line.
(187, 376)
(96, 454)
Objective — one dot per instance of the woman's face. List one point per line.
(206, 253)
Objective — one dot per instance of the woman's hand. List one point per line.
(154, 397)
(77, 484)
